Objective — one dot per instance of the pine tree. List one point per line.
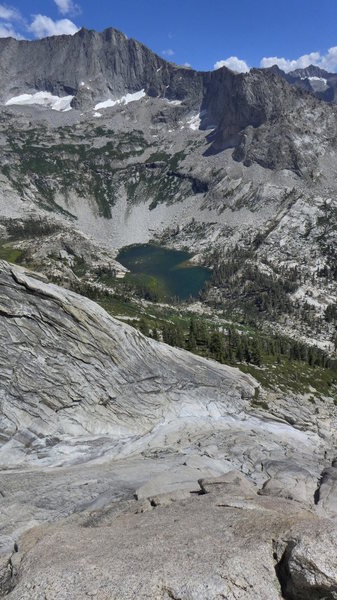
(173, 335)
(191, 342)
(155, 335)
(256, 357)
(192, 336)
(143, 326)
(246, 352)
(239, 353)
(216, 346)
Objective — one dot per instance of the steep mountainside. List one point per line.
(92, 376)
(315, 80)
(126, 147)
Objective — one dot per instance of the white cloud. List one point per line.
(290, 65)
(168, 52)
(329, 60)
(7, 30)
(188, 65)
(67, 7)
(234, 63)
(43, 26)
(326, 61)
(9, 13)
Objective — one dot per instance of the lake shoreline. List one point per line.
(174, 273)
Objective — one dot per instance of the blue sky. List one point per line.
(241, 33)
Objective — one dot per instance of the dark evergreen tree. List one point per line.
(143, 326)
(216, 346)
(256, 357)
(155, 335)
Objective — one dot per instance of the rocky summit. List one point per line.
(153, 447)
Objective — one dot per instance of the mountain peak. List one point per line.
(311, 71)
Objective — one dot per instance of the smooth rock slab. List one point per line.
(72, 375)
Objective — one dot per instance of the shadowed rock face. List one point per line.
(267, 122)
(94, 66)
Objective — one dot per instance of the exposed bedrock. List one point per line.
(225, 543)
(93, 414)
(69, 370)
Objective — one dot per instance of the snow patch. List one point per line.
(97, 114)
(318, 84)
(325, 81)
(45, 99)
(194, 122)
(173, 102)
(124, 100)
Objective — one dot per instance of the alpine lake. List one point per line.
(165, 273)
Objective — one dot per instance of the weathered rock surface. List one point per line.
(226, 543)
(326, 493)
(93, 414)
(307, 568)
(69, 370)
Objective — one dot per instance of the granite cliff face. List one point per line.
(269, 124)
(91, 66)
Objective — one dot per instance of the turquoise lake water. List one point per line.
(165, 268)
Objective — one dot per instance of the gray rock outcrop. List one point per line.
(226, 543)
(92, 66)
(69, 370)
